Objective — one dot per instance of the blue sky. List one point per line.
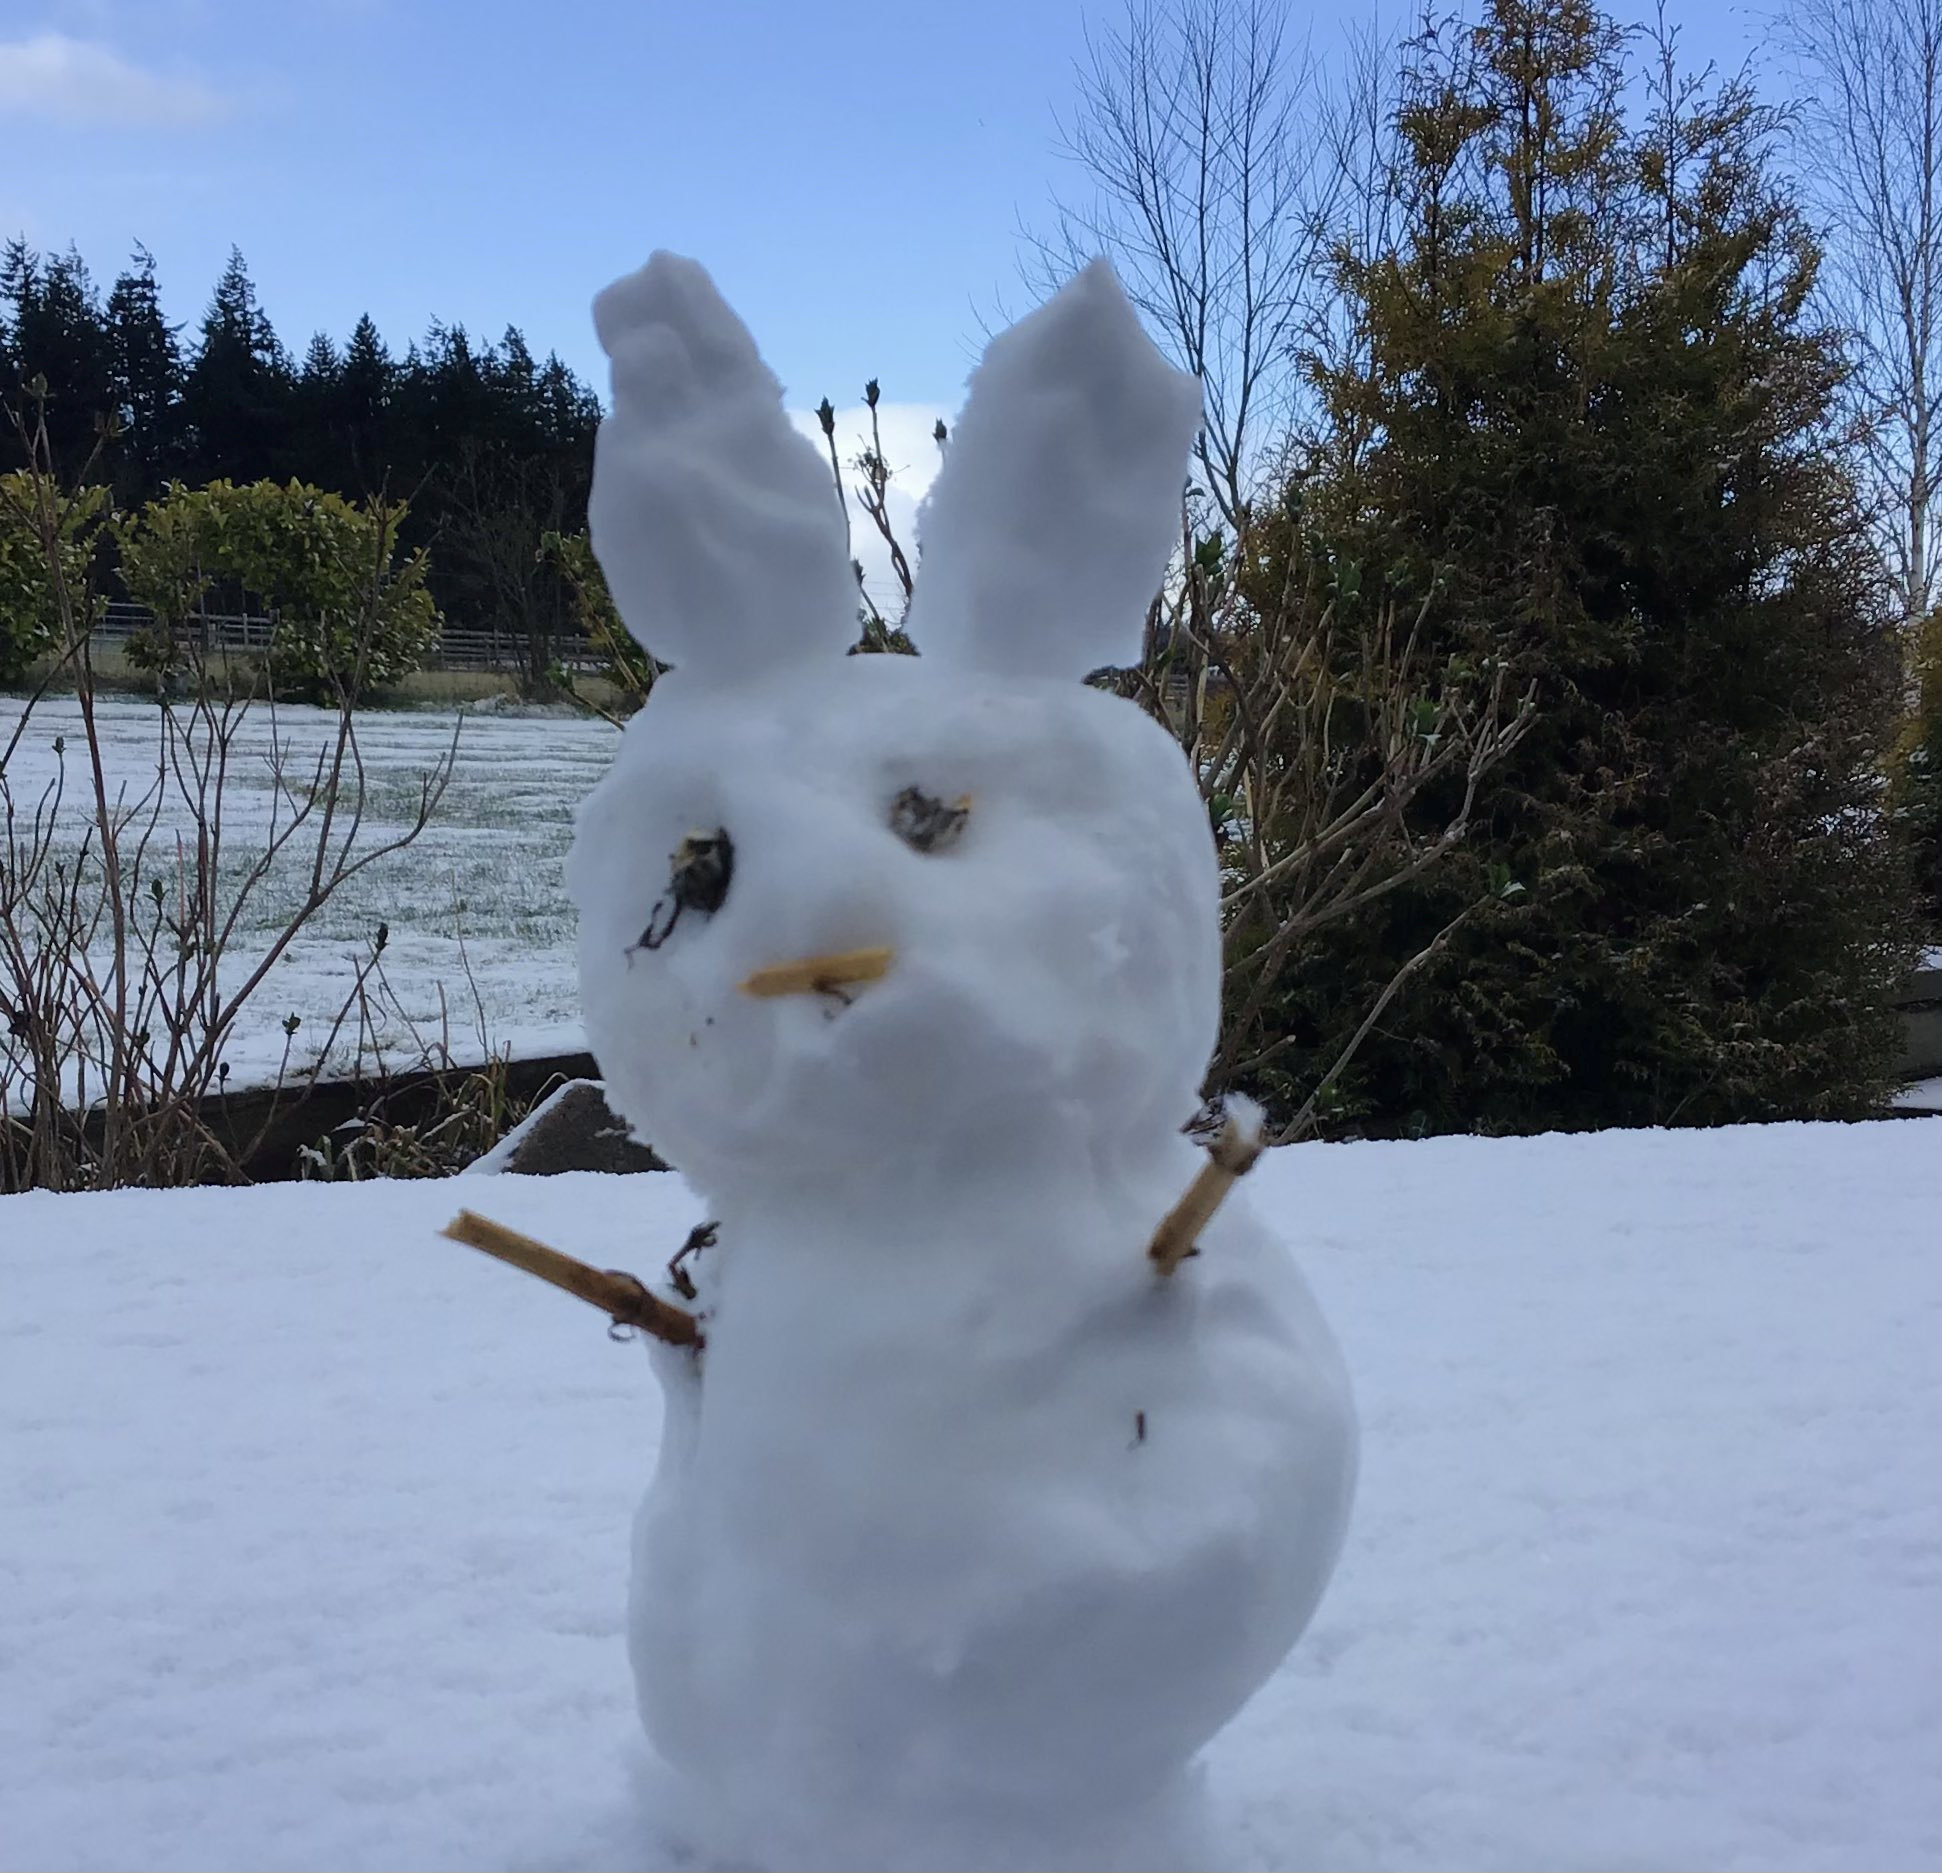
(853, 173)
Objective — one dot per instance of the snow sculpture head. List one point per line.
(1031, 854)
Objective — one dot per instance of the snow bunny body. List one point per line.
(965, 1522)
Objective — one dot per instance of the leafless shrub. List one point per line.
(469, 1112)
(135, 927)
(1335, 763)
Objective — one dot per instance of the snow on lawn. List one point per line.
(487, 870)
(313, 1527)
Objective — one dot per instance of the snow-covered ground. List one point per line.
(313, 1526)
(487, 870)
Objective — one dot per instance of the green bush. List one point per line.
(350, 615)
(623, 662)
(32, 507)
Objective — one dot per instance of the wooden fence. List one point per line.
(234, 631)
(249, 633)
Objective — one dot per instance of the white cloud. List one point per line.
(76, 81)
(908, 447)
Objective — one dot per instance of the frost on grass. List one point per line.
(481, 887)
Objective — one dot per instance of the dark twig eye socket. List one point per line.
(702, 868)
(927, 824)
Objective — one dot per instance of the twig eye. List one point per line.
(927, 824)
(702, 867)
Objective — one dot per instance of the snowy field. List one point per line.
(487, 870)
(313, 1526)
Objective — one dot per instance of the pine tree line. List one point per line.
(492, 448)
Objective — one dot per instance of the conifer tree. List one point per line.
(55, 332)
(320, 365)
(237, 400)
(1602, 419)
(1918, 777)
(147, 381)
(358, 428)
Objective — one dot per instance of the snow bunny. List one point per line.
(967, 1528)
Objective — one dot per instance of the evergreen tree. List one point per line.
(146, 365)
(516, 379)
(509, 459)
(19, 288)
(455, 402)
(313, 409)
(319, 369)
(56, 332)
(356, 449)
(237, 400)
(1601, 413)
(569, 411)
(1919, 777)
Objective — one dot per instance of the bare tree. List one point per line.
(1359, 126)
(1215, 179)
(1871, 98)
(501, 508)
(871, 473)
(1231, 172)
(1339, 761)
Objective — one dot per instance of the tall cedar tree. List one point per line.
(237, 401)
(1602, 412)
(146, 365)
(314, 395)
(350, 447)
(52, 325)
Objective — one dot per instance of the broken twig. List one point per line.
(620, 1296)
(1229, 1158)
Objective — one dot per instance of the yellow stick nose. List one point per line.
(820, 975)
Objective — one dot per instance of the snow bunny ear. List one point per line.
(1048, 528)
(714, 521)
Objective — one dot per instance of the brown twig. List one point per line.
(822, 974)
(620, 1296)
(1229, 1158)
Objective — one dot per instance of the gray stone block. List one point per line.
(1920, 1006)
(572, 1130)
